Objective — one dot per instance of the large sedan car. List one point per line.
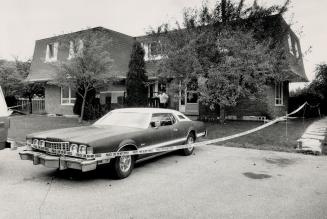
(128, 129)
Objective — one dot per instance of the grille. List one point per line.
(62, 146)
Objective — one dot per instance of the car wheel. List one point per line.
(190, 140)
(123, 166)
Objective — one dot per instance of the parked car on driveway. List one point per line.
(4, 121)
(85, 148)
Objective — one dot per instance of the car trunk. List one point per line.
(4, 121)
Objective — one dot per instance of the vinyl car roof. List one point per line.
(150, 110)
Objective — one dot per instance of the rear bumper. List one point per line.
(58, 162)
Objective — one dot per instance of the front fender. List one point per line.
(127, 142)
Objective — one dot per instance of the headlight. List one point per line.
(89, 150)
(35, 142)
(41, 143)
(28, 142)
(82, 149)
(74, 148)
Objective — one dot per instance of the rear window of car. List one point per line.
(181, 117)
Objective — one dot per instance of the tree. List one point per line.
(10, 80)
(225, 49)
(90, 64)
(136, 78)
(28, 89)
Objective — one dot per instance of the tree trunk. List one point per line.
(30, 104)
(222, 115)
(83, 106)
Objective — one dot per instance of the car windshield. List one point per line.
(128, 119)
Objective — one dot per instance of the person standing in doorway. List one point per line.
(163, 97)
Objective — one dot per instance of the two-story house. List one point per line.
(59, 100)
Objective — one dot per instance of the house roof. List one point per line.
(120, 49)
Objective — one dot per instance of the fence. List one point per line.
(38, 105)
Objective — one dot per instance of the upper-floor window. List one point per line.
(73, 49)
(68, 96)
(279, 94)
(52, 52)
(153, 51)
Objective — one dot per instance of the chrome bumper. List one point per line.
(58, 161)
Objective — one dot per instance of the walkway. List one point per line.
(314, 138)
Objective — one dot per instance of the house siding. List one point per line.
(263, 106)
(53, 101)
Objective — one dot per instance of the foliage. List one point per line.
(92, 106)
(315, 93)
(29, 89)
(225, 50)
(10, 79)
(90, 65)
(136, 78)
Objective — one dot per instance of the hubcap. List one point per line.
(190, 140)
(125, 163)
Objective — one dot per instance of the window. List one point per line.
(279, 94)
(290, 44)
(68, 96)
(165, 119)
(71, 53)
(51, 52)
(181, 117)
(153, 51)
(72, 49)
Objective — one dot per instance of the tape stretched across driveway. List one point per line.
(213, 141)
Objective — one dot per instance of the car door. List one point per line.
(4, 122)
(160, 136)
(180, 129)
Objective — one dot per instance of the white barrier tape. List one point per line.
(213, 141)
(21, 105)
(178, 147)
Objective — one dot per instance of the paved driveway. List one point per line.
(216, 182)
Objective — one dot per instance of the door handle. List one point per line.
(175, 129)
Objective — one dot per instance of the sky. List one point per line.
(22, 22)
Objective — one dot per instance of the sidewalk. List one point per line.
(314, 138)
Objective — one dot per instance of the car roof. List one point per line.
(147, 110)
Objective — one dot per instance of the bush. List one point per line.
(314, 100)
(92, 109)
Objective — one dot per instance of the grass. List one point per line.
(20, 126)
(271, 138)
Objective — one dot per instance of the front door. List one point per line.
(4, 121)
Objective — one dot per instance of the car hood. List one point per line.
(85, 134)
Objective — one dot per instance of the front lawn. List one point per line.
(20, 126)
(270, 138)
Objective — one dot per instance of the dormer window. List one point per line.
(52, 52)
(71, 53)
(153, 51)
(72, 48)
